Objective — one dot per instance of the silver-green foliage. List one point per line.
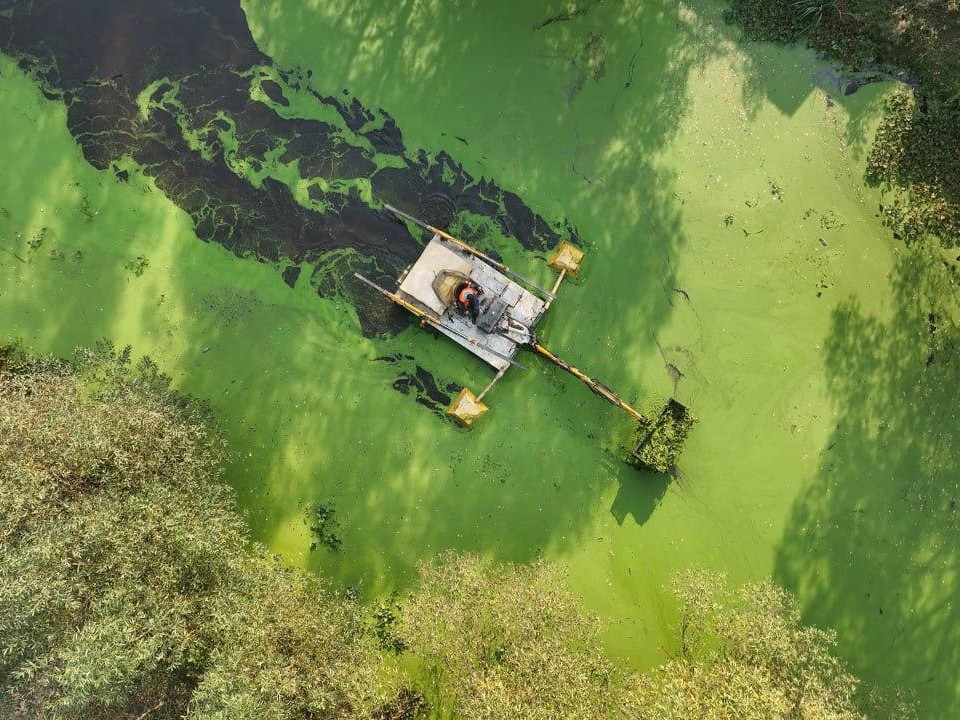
(744, 654)
(504, 643)
(127, 582)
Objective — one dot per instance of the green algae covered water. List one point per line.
(207, 201)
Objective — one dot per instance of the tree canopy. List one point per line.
(745, 655)
(127, 582)
(507, 642)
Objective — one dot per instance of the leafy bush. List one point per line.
(506, 642)
(744, 654)
(511, 642)
(919, 150)
(126, 580)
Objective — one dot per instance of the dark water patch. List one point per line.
(274, 92)
(438, 210)
(199, 135)
(427, 175)
(457, 137)
(377, 127)
(291, 274)
(849, 81)
(425, 388)
(856, 83)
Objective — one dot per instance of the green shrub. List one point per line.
(506, 642)
(744, 655)
(916, 156)
(127, 583)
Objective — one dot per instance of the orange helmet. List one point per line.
(466, 294)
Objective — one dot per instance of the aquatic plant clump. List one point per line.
(660, 442)
(917, 147)
(323, 527)
(385, 616)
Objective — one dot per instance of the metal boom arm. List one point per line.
(595, 385)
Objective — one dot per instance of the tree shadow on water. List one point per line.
(405, 486)
(525, 481)
(871, 544)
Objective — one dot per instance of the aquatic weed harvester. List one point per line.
(481, 304)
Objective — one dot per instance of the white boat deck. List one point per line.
(416, 286)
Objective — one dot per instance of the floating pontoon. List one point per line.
(508, 315)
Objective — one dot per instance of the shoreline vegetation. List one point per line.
(915, 157)
(129, 588)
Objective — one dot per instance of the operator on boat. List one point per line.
(468, 299)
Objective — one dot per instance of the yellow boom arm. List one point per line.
(598, 387)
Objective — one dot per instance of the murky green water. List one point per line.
(717, 188)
